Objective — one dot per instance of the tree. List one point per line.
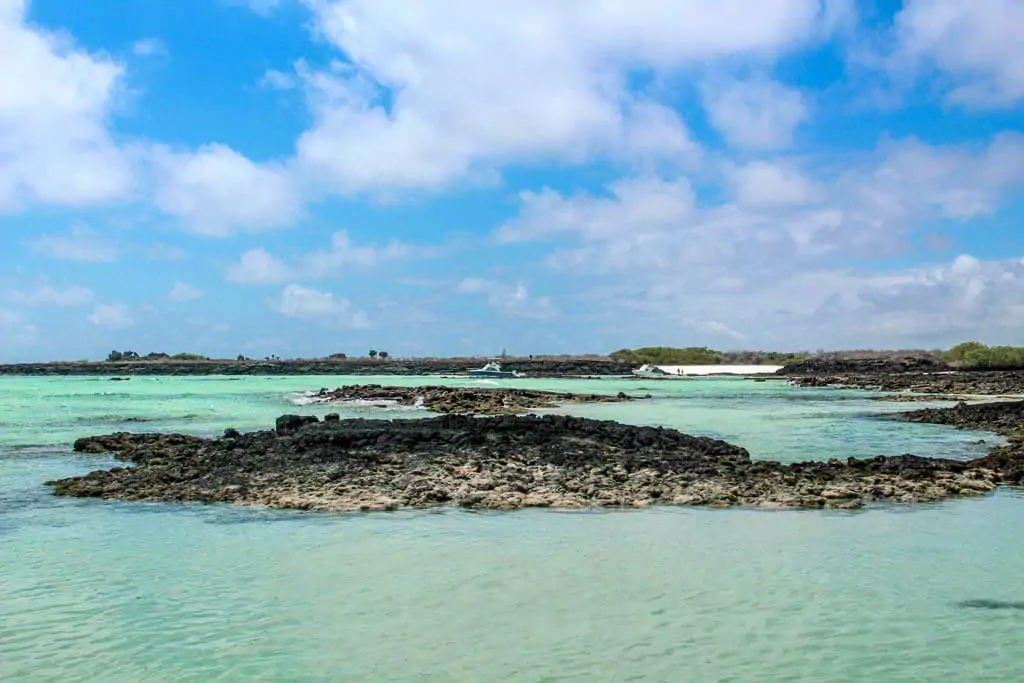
(373, 353)
(383, 355)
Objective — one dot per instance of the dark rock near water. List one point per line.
(501, 462)
(541, 367)
(991, 383)
(864, 366)
(1002, 417)
(462, 400)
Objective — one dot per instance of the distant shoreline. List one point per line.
(537, 367)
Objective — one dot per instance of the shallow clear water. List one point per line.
(107, 591)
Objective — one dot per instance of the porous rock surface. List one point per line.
(501, 462)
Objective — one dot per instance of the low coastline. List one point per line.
(536, 367)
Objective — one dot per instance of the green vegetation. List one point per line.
(188, 356)
(977, 356)
(701, 355)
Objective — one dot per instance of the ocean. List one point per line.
(96, 590)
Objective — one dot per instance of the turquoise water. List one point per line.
(108, 591)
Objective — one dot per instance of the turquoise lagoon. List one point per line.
(109, 591)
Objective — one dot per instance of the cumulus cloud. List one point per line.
(50, 296)
(975, 44)
(54, 109)
(217, 191)
(478, 84)
(754, 113)
(258, 266)
(510, 299)
(771, 182)
(80, 243)
(16, 328)
(113, 316)
(777, 254)
(182, 292)
(344, 254)
(304, 303)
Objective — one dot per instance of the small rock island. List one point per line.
(461, 400)
(504, 462)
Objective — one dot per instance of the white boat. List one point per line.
(493, 370)
(650, 371)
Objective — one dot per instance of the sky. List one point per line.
(459, 177)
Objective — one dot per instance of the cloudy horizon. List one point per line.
(458, 177)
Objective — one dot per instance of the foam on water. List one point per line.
(111, 591)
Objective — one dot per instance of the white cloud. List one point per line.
(513, 300)
(976, 44)
(755, 113)
(478, 84)
(258, 267)
(49, 296)
(80, 243)
(301, 302)
(114, 316)
(344, 255)
(182, 292)
(764, 182)
(149, 47)
(217, 191)
(278, 80)
(15, 328)
(634, 205)
(775, 259)
(55, 100)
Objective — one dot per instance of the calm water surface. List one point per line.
(108, 591)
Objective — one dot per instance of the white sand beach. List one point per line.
(720, 369)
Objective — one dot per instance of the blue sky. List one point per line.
(303, 177)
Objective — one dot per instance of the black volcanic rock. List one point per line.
(863, 366)
(499, 463)
(547, 367)
(462, 400)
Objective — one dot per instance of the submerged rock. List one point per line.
(462, 400)
(497, 463)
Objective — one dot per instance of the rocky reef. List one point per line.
(1002, 417)
(977, 382)
(462, 400)
(501, 463)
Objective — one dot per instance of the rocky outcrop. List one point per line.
(497, 463)
(461, 400)
(560, 367)
(989, 383)
(1002, 417)
(863, 366)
